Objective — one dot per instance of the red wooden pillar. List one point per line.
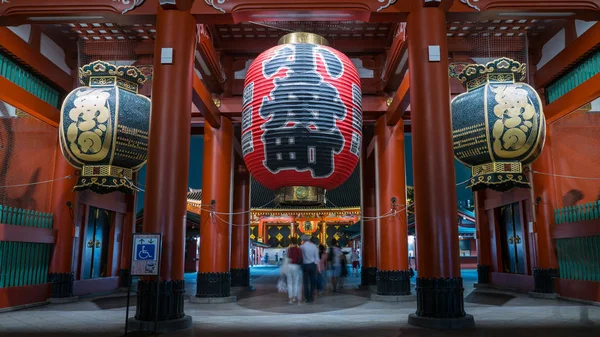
(126, 239)
(544, 188)
(63, 201)
(369, 225)
(240, 231)
(214, 277)
(393, 277)
(440, 301)
(482, 234)
(167, 167)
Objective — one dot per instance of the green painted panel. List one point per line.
(578, 258)
(589, 211)
(27, 80)
(24, 263)
(581, 72)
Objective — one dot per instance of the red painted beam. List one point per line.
(207, 62)
(573, 100)
(24, 295)
(26, 234)
(23, 51)
(22, 99)
(578, 49)
(576, 229)
(396, 62)
(203, 100)
(400, 103)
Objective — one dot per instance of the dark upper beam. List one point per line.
(573, 100)
(232, 11)
(400, 103)
(22, 99)
(396, 63)
(207, 62)
(203, 100)
(31, 56)
(584, 44)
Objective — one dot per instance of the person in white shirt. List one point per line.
(310, 262)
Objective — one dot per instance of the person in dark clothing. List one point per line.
(310, 261)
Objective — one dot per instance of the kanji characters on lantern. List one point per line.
(302, 116)
(498, 124)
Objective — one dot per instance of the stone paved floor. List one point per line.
(264, 312)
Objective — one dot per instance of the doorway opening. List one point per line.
(97, 229)
(512, 238)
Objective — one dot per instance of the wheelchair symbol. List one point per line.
(145, 252)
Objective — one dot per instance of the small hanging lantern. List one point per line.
(498, 124)
(104, 127)
(301, 119)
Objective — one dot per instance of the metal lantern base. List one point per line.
(300, 196)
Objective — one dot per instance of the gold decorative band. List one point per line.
(300, 195)
(107, 171)
(111, 81)
(302, 37)
(497, 167)
(491, 77)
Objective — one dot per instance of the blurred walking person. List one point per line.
(321, 277)
(355, 262)
(294, 271)
(334, 257)
(310, 257)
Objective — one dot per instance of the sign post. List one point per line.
(145, 261)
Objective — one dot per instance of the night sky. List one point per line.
(195, 175)
(196, 155)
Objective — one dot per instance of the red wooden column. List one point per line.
(393, 276)
(544, 189)
(482, 225)
(440, 301)
(240, 231)
(126, 239)
(167, 167)
(369, 225)
(63, 203)
(214, 278)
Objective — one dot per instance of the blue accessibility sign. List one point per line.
(145, 255)
(145, 252)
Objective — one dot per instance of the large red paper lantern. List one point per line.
(302, 118)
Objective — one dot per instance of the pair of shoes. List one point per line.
(291, 302)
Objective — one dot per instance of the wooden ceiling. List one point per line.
(102, 31)
(240, 37)
(331, 30)
(504, 28)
